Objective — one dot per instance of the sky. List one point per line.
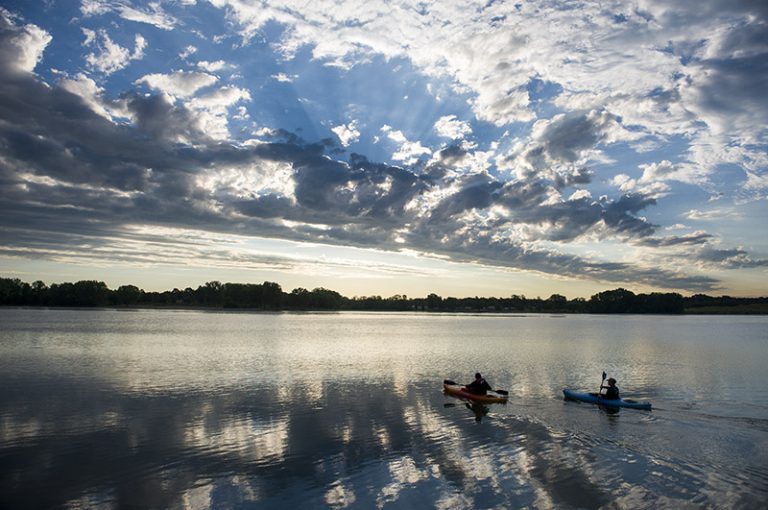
(464, 148)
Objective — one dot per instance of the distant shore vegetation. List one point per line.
(270, 296)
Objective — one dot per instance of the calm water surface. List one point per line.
(189, 409)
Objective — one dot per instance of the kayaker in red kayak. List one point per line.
(611, 391)
(479, 386)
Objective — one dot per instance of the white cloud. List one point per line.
(284, 78)
(88, 90)
(225, 96)
(212, 110)
(110, 56)
(347, 133)
(449, 126)
(658, 171)
(152, 15)
(138, 50)
(408, 152)
(179, 83)
(712, 214)
(212, 67)
(188, 52)
(22, 47)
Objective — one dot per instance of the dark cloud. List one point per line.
(730, 258)
(452, 155)
(157, 117)
(697, 238)
(477, 191)
(734, 88)
(620, 215)
(568, 135)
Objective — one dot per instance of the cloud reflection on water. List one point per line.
(364, 446)
(149, 421)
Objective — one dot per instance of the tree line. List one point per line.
(270, 296)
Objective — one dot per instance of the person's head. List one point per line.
(611, 382)
(478, 376)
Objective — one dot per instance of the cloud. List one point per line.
(179, 83)
(212, 67)
(88, 91)
(21, 47)
(730, 258)
(408, 152)
(347, 133)
(564, 99)
(207, 112)
(110, 56)
(696, 238)
(569, 137)
(660, 69)
(449, 126)
(712, 214)
(153, 14)
(118, 178)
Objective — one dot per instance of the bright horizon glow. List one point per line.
(386, 148)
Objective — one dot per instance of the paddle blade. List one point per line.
(502, 392)
(448, 381)
(603, 376)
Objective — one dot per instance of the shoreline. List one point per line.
(747, 310)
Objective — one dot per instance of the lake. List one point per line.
(195, 409)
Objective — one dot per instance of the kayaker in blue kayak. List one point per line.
(611, 390)
(479, 386)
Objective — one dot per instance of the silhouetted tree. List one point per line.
(434, 302)
(612, 301)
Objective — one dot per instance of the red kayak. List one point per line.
(457, 390)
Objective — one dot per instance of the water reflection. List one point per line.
(365, 447)
(365, 436)
(479, 410)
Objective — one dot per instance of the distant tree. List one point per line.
(434, 302)
(14, 292)
(657, 302)
(556, 302)
(326, 299)
(82, 293)
(272, 295)
(612, 301)
(128, 295)
(299, 298)
(209, 294)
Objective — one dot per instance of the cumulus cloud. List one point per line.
(21, 47)
(179, 83)
(347, 133)
(109, 56)
(212, 67)
(408, 151)
(451, 127)
(88, 90)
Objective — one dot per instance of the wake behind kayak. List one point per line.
(593, 398)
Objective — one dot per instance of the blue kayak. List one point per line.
(593, 398)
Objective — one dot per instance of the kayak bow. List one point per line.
(457, 390)
(593, 398)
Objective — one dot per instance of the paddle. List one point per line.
(453, 383)
(599, 395)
